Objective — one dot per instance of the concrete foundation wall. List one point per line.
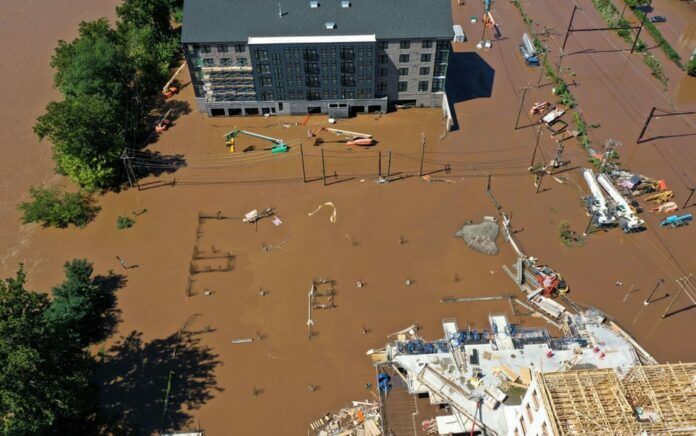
(334, 108)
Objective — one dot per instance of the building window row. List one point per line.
(220, 48)
(405, 44)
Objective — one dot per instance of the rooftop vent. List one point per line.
(345, 3)
(330, 25)
(314, 4)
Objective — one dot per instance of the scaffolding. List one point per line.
(656, 399)
(229, 83)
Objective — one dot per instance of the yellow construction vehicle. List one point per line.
(661, 197)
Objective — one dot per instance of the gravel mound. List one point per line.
(481, 237)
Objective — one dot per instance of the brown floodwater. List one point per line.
(213, 380)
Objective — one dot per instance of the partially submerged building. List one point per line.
(513, 381)
(646, 400)
(316, 56)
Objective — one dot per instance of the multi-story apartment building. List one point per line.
(339, 57)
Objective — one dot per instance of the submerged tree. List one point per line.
(88, 138)
(54, 208)
(44, 376)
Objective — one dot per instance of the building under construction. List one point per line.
(650, 400)
(249, 57)
(515, 381)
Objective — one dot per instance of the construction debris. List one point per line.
(332, 219)
(362, 418)
(253, 216)
(480, 237)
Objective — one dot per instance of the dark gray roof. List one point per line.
(235, 20)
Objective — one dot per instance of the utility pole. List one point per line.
(689, 198)
(589, 224)
(304, 176)
(323, 166)
(124, 158)
(389, 166)
(683, 283)
(420, 172)
(666, 314)
(379, 161)
(556, 161)
(519, 111)
(558, 70)
(642, 23)
(536, 145)
(570, 25)
(647, 300)
(608, 151)
(539, 178)
(541, 69)
(645, 125)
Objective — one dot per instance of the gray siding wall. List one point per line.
(272, 89)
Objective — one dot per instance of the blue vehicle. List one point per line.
(528, 51)
(676, 220)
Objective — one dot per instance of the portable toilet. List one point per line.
(459, 35)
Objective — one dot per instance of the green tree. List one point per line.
(44, 378)
(691, 66)
(79, 304)
(148, 39)
(88, 137)
(51, 207)
(93, 64)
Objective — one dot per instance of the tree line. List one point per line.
(46, 371)
(108, 77)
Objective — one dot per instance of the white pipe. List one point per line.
(599, 203)
(623, 208)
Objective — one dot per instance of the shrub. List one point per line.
(124, 222)
(691, 67)
(54, 208)
(568, 237)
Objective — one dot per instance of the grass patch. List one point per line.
(124, 222)
(612, 17)
(568, 237)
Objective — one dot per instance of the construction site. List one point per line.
(471, 268)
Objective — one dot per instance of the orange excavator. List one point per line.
(353, 138)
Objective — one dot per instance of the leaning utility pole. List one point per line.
(536, 145)
(519, 111)
(568, 30)
(689, 198)
(642, 23)
(556, 161)
(645, 125)
(608, 151)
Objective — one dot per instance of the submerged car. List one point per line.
(658, 19)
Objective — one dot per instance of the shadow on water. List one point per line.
(134, 376)
(468, 77)
(110, 314)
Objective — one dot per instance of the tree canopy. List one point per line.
(44, 378)
(106, 75)
(88, 136)
(54, 208)
(93, 64)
